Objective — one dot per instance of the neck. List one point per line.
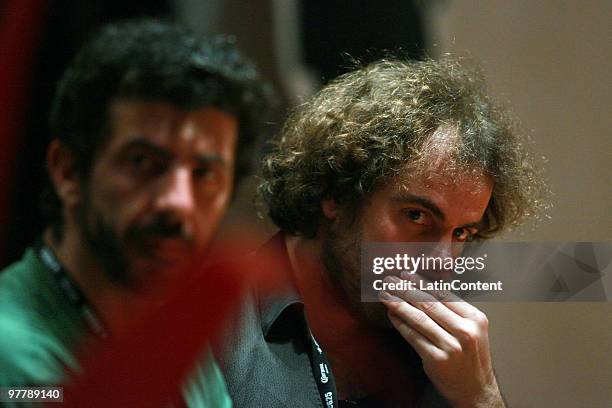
(344, 338)
(112, 302)
(361, 357)
(323, 303)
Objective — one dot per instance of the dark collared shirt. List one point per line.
(266, 353)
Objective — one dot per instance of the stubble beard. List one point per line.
(341, 256)
(127, 260)
(105, 245)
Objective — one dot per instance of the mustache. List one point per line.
(162, 226)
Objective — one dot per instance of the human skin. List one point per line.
(430, 208)
(159, 188)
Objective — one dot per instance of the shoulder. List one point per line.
(28, 355)
(206, 386)
(241, 334)
(19, 281)
(30, 351)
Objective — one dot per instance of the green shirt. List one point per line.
(40, 331)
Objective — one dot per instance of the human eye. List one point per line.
(145, 163)
(209, 176)
(417, 216)
(464, 234)
(203, 172)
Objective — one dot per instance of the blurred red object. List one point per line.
(145, 365)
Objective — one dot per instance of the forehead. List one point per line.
(461, 192)
(472, 188)
(443, 179)
(459, 200)
(439, 166)
(201, 129)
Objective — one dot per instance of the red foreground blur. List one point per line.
(145, 365)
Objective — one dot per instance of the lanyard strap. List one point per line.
(71, 291)
(77, 299)
(323, 375)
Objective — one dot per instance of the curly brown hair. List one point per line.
(376, 123)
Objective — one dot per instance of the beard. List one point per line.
(104, 242)
(341, 256)
(117, 253)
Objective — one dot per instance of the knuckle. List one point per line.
(481, 319)
(419, 318)
(407, 332)
(428, 306)
(469, 335)
(443, 295)
(440, 359)
(454, 349)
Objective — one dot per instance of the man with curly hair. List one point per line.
(395, 151)
(153, 126)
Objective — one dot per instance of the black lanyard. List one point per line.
(71, 291)
(76, 297)
(326, 382)
(323, 375)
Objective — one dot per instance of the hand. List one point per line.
(451, 337)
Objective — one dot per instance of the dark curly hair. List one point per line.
(147, 59)
(376, 123)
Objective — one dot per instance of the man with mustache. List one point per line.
(152, 129)
(395, 151)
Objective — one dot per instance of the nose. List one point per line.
(444, 246)
(177, 195)
(447, 246)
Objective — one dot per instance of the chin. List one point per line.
(375, 315)
(145, 274)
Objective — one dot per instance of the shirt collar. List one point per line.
(282, 314)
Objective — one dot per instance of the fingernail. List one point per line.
(384, 295)
(393, 319)
(407, 275)
(392, 279)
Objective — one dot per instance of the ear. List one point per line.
(330, 208)
(63, 173)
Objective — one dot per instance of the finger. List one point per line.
(465, 331)
(419, 321)
(423, 346)
(437, 310)
(449, 299)
(421, 281)
(462, 308)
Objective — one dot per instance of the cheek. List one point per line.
(210, 214)
(394, 227)
(119, 206)
(381, 229)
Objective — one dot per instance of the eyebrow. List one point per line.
(428, 204)
(477, 224)
(142, 143)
